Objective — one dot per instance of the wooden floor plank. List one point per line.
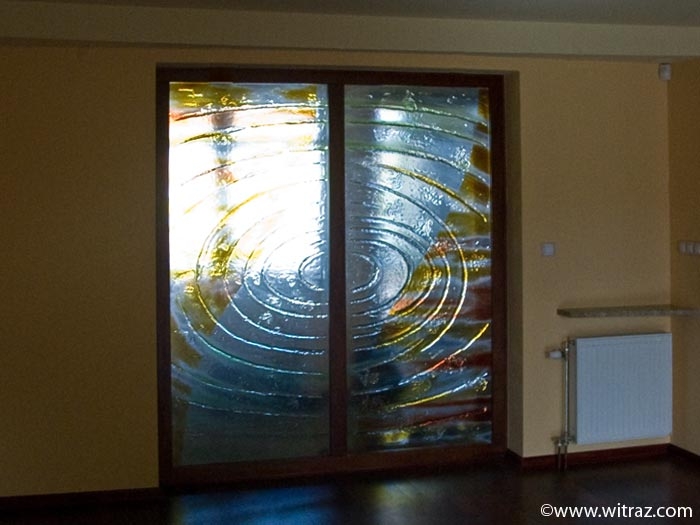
(498, 493)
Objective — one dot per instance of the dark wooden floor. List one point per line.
(498, 493)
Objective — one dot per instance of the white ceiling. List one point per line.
(634, 12)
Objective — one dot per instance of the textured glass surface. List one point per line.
(248, 271)
(418, 263)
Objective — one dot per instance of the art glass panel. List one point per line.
(418, 256)
(248, 271)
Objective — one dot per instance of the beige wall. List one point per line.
(78, 394)
(589, 158)
(684, 118)
(123, 22)
(595, 181)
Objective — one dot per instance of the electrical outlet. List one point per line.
(689, 247)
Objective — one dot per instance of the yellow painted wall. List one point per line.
(595, 181)
(78, 390)
(589, 158)
(684, 133)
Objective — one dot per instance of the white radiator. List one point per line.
(621, 388)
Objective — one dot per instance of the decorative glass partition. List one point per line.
(248, 269)
(419, 265)
(330, 253)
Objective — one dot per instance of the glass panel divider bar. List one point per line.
(337, 340)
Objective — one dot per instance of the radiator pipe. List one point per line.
(565, 438)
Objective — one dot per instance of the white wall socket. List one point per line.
(689, 247)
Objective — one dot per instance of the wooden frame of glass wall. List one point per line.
(340, 456)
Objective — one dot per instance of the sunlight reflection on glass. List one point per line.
(248, 258)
